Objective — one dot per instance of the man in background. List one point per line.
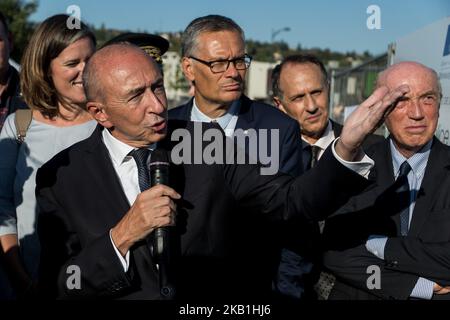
(301, 89)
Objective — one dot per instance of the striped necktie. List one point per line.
(404, 197)
(141, 156)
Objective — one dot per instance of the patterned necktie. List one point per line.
(140, 156)
(404, 197)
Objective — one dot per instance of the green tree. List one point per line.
(17, 13)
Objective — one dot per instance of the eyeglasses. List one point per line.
(219, 66)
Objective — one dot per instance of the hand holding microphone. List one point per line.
(153, 208)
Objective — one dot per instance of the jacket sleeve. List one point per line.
(359, 268)
(291, 151)
(312, 196)
(412, 255)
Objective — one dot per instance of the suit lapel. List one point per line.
(337, 128)
(436, 170)
(384, 171)
(101, 172)
(187, 110)
(246, 117)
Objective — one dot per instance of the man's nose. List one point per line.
(155, 103)
(415, 109)
(310, 104)
(231, 72)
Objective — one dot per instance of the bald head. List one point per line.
(393, 75)
(108, 61)
(413, 120)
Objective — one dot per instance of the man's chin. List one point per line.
(230, 96)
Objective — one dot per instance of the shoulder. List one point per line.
(271, 115)
(73, 157)
(180, 111)
(9, 127)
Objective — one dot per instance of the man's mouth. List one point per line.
(232, 87)
(159, 126)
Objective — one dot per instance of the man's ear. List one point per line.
(278, 103)
(97, 111)
(187, 66)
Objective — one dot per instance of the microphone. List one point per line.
(159, 174)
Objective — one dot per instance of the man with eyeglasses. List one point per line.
(215, 62)
(393, 242)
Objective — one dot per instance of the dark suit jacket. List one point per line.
(221, 254)
(257, 115)
(425, 252)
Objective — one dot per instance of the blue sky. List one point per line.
(338, 25)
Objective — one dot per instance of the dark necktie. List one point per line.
(140, 156)
(314, 155)
(309, 157)
(404, 196)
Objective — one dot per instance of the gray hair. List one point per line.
(210, 23)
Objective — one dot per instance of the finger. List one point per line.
(163, 221)
(161, 202)
(173, 218)
(162, 190)
(375, 97)
(394, 95)
(390, 101)
(173, 206)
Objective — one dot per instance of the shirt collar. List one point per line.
(417, 161)
(325, 140)
(223, 121)
(118, 150)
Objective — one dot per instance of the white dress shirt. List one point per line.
(127, 172)
(227, 121)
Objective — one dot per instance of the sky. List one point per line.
(337, 25)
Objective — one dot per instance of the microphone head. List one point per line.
(159, 157)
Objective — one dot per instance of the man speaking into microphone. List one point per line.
(97, 217)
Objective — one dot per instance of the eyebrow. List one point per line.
(408, 96)
(298, 95)
(135, 91)
(70, 61)
(140, 89)
(226, 59)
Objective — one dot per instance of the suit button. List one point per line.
(392, 264)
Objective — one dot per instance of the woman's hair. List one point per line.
(47, 42)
